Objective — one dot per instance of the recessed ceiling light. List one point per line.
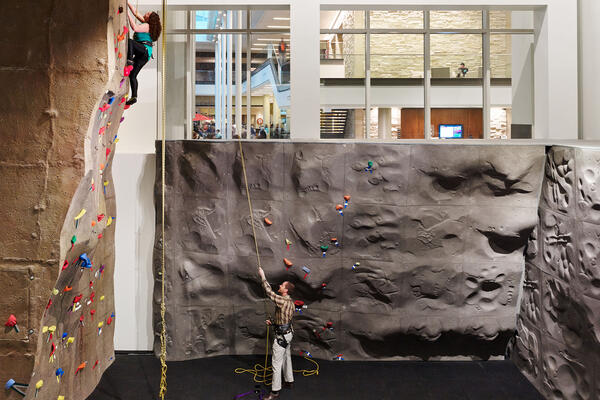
(281, 18)
(278, 26)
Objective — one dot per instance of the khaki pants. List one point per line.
(282, 359)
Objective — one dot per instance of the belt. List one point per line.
(283, 329)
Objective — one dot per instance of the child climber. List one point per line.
(139, 50)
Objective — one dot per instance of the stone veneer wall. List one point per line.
(53, 69)
(558, 341)
(401, 56)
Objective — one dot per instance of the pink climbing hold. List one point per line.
(106, 106)
(127, 70)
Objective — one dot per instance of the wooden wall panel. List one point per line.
(412, 120)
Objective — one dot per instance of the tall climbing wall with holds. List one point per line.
(558, 341)
(396, 251)
(53, 70)
(56, 158)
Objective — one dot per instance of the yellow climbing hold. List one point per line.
(61, 398)
(52, 329)
(100, 324)
(109, 221)
(101, 298)
(55, 291)
(44, 329)
(39, 384)
(70, 340)
(81, 214)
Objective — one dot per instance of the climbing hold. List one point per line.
(287, 263)
(356, 264)
(95, 364)
(306, 271)
(100, 325)
(105, 185)
(38, 386)
(93, 187)
(100, 217)
(85, 261)
(59, 373)
(78, 217)
(68, 288)
(340, 209)
(12, 323)
(305, 354)
(346, 200)
(323, 286)
(93, 223)
(107, 153)
(288, 243)
(324, 249)
(127, 70)
(99, 236)
(64, 336)
(335, 242)
(65, 265)
(51, 329)
(80, 367)
(101, 131)
(60, 398)
(104, 107)
(109, 221)
(81, 320)
(268, 221)
(55, 291)
(92, 312)
(70, 340)
(329, 326)
(126, 107)
(298, 304)
(77, 299)
(102, 169)
(109, 320)
(110, 101)
(11, 384)
(339, 357)
(73, 240)
(101, 298)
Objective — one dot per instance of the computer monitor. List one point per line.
(450, 131)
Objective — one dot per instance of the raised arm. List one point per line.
(137, 27)
(134, 11)
(279, 300)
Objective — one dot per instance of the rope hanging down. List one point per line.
(267, 372)
(163, 329)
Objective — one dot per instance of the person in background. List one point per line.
(462, 71)
(252, 132)
(139, 50)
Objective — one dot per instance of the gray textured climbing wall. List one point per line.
(558, 342)
(438, 231)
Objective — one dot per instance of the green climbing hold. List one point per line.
(73, 239)
(324, 248)
(370, 164)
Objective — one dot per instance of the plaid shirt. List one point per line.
(284, 310)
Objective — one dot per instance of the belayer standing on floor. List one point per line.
(139, 50)
(282, 349)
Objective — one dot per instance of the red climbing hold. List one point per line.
(99, 217)
(65, 265)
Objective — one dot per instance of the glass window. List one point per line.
(216, 19)
(396, 19)
(178, 19)
(464, 19)
(456, 56)
(270, 19)
(341, 19)
(175, 81)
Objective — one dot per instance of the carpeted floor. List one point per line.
(137, 376)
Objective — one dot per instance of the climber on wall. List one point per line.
(139, 50)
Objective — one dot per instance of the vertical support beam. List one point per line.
(427, 78)
(223, 78)
(238, 76)
(486, 75)
(305, 64)
(249, 121)
(228, 135)
(367, 75)
(190, 79)
(217, 81)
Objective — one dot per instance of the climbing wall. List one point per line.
(75, 336)
(396, 251)
(558, 342)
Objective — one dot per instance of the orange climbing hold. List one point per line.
(287, 262)
(339, 207)
(268, 221)
(81, 366)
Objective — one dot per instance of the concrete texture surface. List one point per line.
(439, 232)
(56, 74)
(558, 338)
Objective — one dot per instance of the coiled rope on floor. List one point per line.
(267, 372)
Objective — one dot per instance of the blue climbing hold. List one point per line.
(9, 384)
(85, 261)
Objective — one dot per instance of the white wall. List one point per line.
(590, 68)
(134, 240)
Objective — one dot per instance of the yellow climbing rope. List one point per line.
(163, 328)
(267, 372)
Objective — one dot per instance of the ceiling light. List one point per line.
(260, 44)
(278, 26)
(281, 18)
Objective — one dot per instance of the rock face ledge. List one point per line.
(558, 341)
(425, 261)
